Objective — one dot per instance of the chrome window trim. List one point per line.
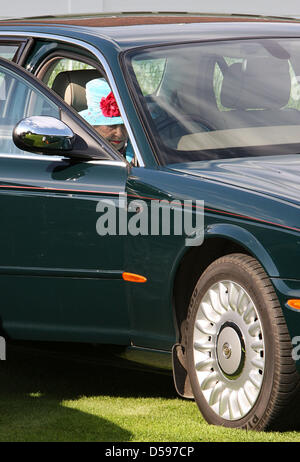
(107, 70)
(60, 159)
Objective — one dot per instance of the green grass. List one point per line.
(44, 398)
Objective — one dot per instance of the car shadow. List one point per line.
(36, 382)
(35, 385)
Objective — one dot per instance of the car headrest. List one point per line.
(70, 86)
(258, 83)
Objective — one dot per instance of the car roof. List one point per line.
(127, 31)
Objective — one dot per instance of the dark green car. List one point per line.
(181, 247)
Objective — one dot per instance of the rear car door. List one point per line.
(59, 279)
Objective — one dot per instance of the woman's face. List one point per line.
(116, 135)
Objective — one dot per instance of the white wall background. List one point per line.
(25, 8)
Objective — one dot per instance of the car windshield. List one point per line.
(219, 100)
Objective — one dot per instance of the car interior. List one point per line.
(70, 86)
(242, 95)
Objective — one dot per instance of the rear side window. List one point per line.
(8, 51)
(12, 49)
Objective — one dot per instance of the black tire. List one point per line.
(238, 340)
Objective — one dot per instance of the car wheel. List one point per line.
(238, 348)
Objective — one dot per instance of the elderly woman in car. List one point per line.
(103, 113)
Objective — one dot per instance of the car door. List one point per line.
(59, 279)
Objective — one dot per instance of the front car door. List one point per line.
(59, 279)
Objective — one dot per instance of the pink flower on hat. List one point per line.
(109, 106)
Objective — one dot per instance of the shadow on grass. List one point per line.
(34, 384)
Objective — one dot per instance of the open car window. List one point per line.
(68, 78)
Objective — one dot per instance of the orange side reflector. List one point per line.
(294, 303)
(131, 277)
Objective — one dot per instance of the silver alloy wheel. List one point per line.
(228, 347)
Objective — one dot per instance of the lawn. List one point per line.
(53, 398)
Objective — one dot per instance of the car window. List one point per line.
(63, 65)
(294, 99)
(218, 78)
(8, 51)
(84, 87)
(68, 78)
(19, 99)
(149, 74)
(237, 98)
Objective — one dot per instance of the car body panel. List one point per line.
(49, 212)
(275, 176)
(257, 210)
(61, 199)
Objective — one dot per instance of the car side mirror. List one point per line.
(43, 134)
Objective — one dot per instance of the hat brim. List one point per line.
(99, 119)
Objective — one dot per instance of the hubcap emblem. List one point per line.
(226, 350)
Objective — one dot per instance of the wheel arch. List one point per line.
(219, 240)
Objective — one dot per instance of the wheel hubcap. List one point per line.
(228, 348)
